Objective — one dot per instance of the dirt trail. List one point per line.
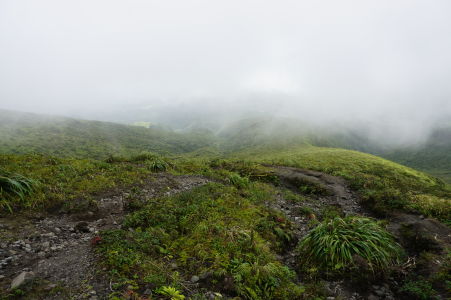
(339, 194)
(58, 249)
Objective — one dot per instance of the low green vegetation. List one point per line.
(221, 234)
(71, 184)
(342, 244)
(419, 289)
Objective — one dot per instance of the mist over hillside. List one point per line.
(382, 67)
(61, 136)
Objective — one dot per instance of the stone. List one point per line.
(147, 292)
(21, 279)
(194, 279)
(373, 297)
(82, 227)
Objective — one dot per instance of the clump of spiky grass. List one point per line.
(343, 243)
(14, 185)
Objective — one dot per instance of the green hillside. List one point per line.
(213, 219)
(383, 184)
(433, 157)
(64, 137)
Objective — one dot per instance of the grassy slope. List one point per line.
(67, 183)
(64, 137)
(433, 157)
(222, 231)
(383, 184)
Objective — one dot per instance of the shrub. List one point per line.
(157, 164)
(255, 281)
(238, 181)
(154, 162)
(420, 289)
(341, 243)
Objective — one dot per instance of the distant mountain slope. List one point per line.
(434, 156)
(65, 137)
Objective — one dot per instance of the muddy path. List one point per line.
(57, 251)
(330, 190)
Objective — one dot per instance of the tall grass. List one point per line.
(14, 185)
(341, 243)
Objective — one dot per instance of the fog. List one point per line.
(380, 65)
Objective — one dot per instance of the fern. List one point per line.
(170, 292)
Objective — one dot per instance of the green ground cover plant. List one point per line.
(222, 231)
(69, 183)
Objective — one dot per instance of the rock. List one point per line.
(2, 276)
(21, 279)
(194, 279)
(373, 297)
(50, 287)
(82, 227)
(57, 230)
(330, 298)
(148, 292)
(206, 275)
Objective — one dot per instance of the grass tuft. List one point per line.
(14, 185)
(340, 244)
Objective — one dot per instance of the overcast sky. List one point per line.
(323, 60)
